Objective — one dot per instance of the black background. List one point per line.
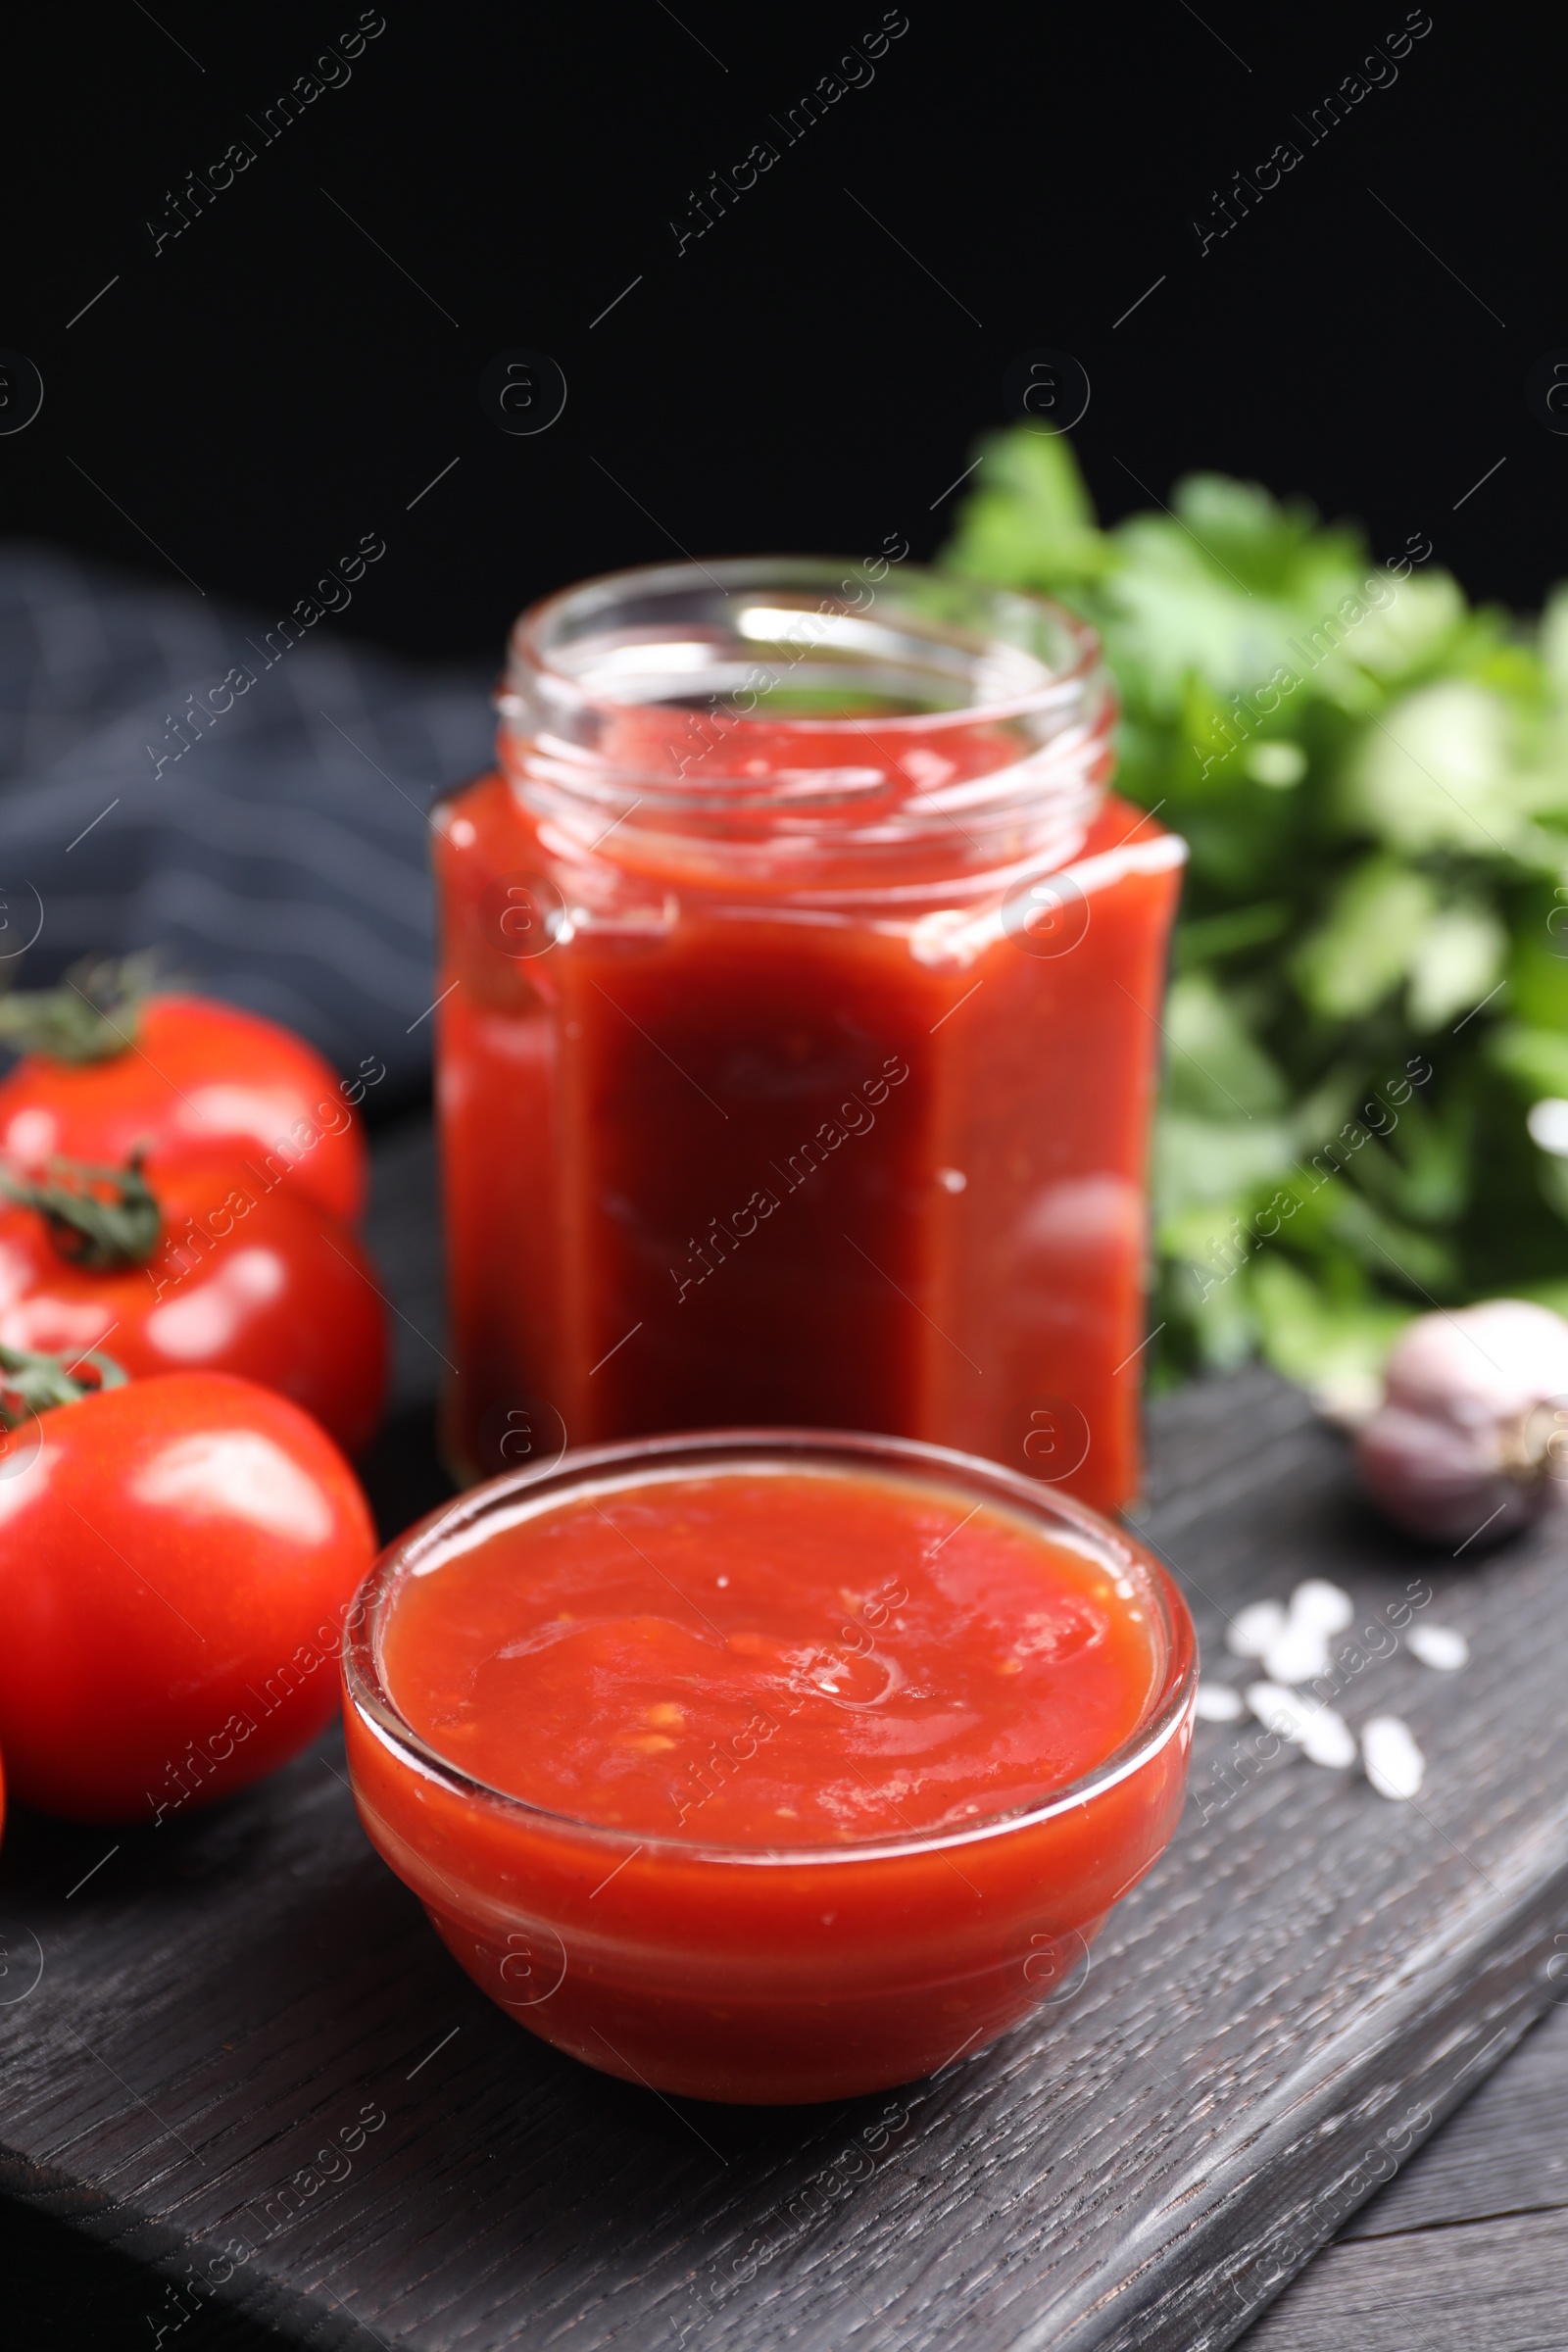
(270, 385)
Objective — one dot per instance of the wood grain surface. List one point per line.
(1468, 2246)
(1502, 2287)
(238, 2053)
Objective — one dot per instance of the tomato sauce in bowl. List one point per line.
(769, 1766)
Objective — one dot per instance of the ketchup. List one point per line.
(727, 1766)
(767, 1660)
(813, 1087)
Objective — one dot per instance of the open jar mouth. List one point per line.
(786, 694)
(753, 632)
(1167, 1712)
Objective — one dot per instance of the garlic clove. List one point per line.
(1479, 1366)
(1217, 1703)
(1443, 1481)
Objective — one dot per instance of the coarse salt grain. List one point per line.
(1328, 1740)
(1217, 1703)
(1298, 1653)
(1278, 1710)
(1438, 1645)
(1254, 1628)
(1318, 1602)
(1395, 1765)
(1317, 1731)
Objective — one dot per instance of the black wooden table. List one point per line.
(1309, 1982)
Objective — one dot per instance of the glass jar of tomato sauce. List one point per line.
(799, 1022)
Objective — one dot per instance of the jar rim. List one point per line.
(541, 632)
(1164, 1715)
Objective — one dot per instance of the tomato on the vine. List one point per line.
(197, 1267)
(177, 1560)
(109, 1070)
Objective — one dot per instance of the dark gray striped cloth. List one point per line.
(280, 859)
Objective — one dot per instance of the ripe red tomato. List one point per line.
(193, 1075)
(177, 1557)
(231, 1278)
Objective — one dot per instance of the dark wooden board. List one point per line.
(1307, 1972)
(1437, 2259)
(1500, 2287)
(1504, 2153)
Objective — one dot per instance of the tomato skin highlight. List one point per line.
(201, 1076)
(257, 1283)
(177, 1557)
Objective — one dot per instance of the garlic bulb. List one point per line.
(1471, 1440)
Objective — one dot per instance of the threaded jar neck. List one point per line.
(810, 716)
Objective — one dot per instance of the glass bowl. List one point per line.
(766, 1974)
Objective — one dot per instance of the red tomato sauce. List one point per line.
(808, 1753)
(719, 1159)
(753, 1658)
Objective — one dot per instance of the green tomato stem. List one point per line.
(38, 1384)
(103, 1219)
(91, 1016)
